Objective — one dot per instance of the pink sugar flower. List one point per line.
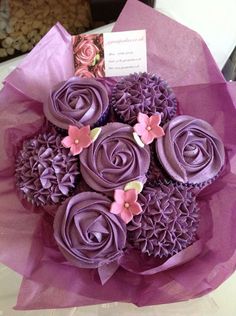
(78, 139)
(148, 127)
(126, 205)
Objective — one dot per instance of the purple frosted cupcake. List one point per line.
(168, 223)
(146, 93)
(79, 102)
(114, 159)
(190, 151)
(46, 172)
(87, 233)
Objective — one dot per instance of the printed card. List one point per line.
(110, 54)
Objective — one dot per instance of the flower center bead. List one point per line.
(126, 205)
(76, 141)
(149, 128)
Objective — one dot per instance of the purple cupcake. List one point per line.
(114, 159)
(190, 151)
(46, 172)
(79, 102)
(145, 93)
(168, 223)
(87, 233)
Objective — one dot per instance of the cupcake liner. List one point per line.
(201, 186)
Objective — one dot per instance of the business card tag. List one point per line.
(125, 53)
(110, 54)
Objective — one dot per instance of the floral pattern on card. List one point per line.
(89, 55)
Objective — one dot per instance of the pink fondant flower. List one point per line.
(126, 205)
(148, 127)
(78, 139)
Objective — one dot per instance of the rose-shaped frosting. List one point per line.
(87, 234)
(191, 151)
(145, 93)
(114, 159)
(78, 101)
(168, 223)
(46, 172)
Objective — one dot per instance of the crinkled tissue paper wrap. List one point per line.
(26, 238)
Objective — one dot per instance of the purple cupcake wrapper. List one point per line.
(198, 187)
(203, 185)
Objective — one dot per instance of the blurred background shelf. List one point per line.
(23, 23)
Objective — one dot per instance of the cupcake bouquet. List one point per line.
(117, 189)
(118, 170)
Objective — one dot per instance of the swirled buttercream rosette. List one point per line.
(114, 159)
(88, 234)
(190, 151)
(78, 102)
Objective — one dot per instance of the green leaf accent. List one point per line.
(138, 140)
(94, 62)
(97, 57)
(94, 133)
(136, 185)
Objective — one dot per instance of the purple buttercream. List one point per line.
(156, 172)
(114, 159)
(191, 151)
(78, 101)
(168, 223)
(87, 234)
(146, 93)
(108, 83)
(46, 172)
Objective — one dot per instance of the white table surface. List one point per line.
(221, 39)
